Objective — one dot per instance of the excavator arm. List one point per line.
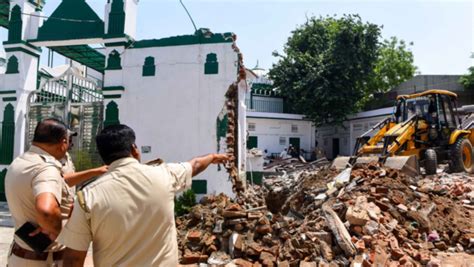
(370, 145)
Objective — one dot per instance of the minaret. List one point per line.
(18, 80)
(20, 76)
(120, 31)
(121, 18)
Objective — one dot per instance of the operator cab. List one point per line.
(435, 107)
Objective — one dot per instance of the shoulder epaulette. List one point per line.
(155, 162)
(82, 201)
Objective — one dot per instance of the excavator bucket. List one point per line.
(406, 164)
(340, 163)
(367, 159)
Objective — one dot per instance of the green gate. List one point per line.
(77, 101)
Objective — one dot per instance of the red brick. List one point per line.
(265, 256)
(234, 207)
(397, 254)
(242, 263)
(360, 246)
(381, 190)
(194, 236)
(210, 240)
(234, 214)
(239, 243)
(263, 229)
(441, 245)
(191, 257)
(283, 264)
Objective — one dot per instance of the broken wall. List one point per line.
(175, 110)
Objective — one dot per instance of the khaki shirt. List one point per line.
(67, 168)
(29, 175)
(130, 215)
(68, 165)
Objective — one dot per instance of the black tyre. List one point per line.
(461, 156)
(431, 162)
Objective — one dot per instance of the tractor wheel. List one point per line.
(431, 162)
(461, 156)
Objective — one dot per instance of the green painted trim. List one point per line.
(21, 49)
(7, 92)
(83, 54)
(3, 173)
(15, 25)
(58, 30)
(111, 114)
(199, 186)
(149, 68)
(9, 99)
(116, 18)
(114, 61)
(252, 142)
(23, 43)
(113, 88)
(8, 135)
(112, 96)
(221, 132)
(119, 35)
(12, 65)
(201, 36)
(117, 44)
(212, 65)
(257, 177)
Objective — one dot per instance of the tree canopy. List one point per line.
(468, 80)
(331, 66)
(394, 65)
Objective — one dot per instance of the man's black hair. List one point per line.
(115, 142)
(50, 131)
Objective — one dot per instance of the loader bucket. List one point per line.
(340, 163)
(406, 164)
(368, 159)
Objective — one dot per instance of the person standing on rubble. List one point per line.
(128, 213)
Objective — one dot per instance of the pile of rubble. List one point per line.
(363, 216)
(294, 164)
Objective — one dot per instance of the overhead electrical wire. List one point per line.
(189, 15)
(62, 19)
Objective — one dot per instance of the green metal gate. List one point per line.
(78, 102)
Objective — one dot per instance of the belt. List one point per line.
(31, 255)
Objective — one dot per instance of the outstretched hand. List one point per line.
(101, 170)
(199, 164)
(222, 158)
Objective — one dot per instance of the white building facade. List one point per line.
(171, 91)
(270, 125)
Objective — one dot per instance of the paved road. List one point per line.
(6, 236)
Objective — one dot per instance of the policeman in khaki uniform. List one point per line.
(37, 193)
(128, 213)
(74, 178)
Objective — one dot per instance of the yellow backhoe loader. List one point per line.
(425, 130)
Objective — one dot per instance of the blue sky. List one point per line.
(442, 31)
